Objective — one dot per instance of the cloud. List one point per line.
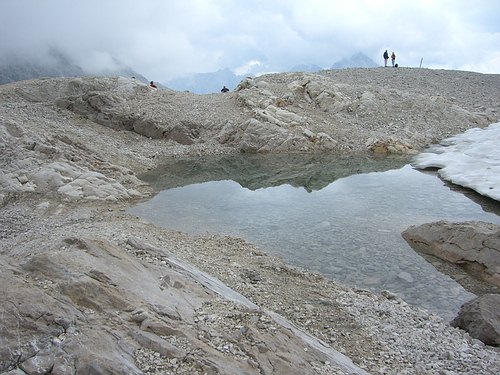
(165, 39)
(248, 67)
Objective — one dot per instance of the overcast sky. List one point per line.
(163, 39)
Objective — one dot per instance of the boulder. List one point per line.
(474, 245)
(390, 145)
(148, 128)
(76, 182)
(481, 318)
(185, 132)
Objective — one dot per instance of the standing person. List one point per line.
(224, 89)
(393, 58)
(386, 57)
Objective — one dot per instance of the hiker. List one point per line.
(224, 89)
(152, 84)
(393, 58)
(386, 57)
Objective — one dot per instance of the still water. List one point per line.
(342, 217)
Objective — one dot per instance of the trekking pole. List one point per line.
(422, 59)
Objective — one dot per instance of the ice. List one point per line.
(470, 159)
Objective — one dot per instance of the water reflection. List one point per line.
(255, 171)
(350, 229)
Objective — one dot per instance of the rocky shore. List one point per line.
(89, 289)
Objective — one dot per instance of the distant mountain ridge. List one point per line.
(311, 68)
(358, 60)
(56, 65)
(206, 83)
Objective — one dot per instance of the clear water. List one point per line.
(349, 230)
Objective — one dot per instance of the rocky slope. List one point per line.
(88, 289)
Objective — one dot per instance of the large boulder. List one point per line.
(474, 245)
(481, 318)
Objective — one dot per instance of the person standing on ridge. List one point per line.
(224, 89)
(386, 57)
(393, 58)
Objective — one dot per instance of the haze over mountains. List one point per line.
(205, 83)
(57, 64)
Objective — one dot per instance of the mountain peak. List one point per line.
(358, 60)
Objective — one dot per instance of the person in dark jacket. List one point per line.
(386, 57)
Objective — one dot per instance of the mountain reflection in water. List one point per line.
(341, 216)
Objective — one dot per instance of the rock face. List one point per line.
(89, 318)
(472, 245)
(481, 318)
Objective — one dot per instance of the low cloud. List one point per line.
(165, 39)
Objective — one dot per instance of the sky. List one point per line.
(470, 159)
(166, 39)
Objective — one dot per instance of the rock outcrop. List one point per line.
(90, 318)
(481, 318)
(293, 112)
(472, 245)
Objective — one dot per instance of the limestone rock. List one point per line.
(390, 145)
(148, 128)
(185, 132)
(254, 136)
(110, 107)
(76, 182)
(38, 365)
(481, 318)
(14, 129)
(472, 245)
(328, 97)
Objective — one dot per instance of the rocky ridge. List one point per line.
(90, 289)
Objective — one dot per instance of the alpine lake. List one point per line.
(341, 216)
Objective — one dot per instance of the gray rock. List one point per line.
(472, 245)
(38, 365)
(148, 128)
(63, 365)
(405, 276)
(16, 371)
(481, 318)
(185, 133)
